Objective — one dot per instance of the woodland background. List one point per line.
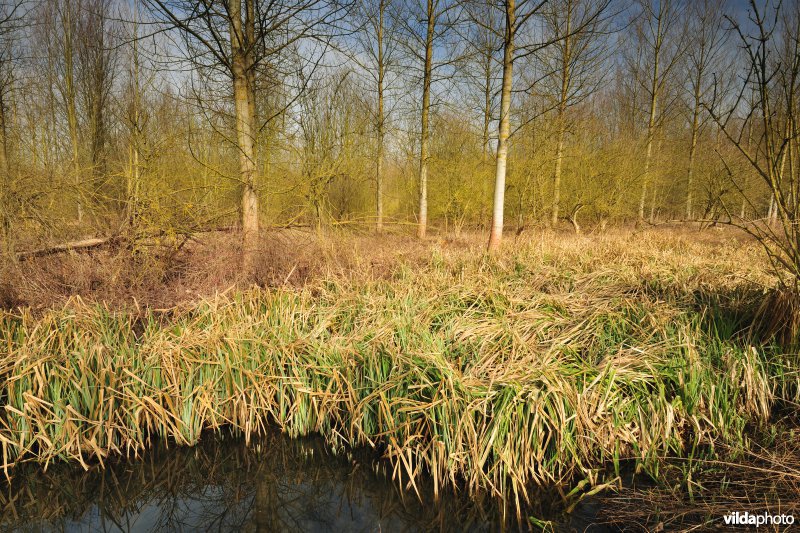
(119, 117)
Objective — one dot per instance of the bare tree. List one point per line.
(236, 37)
(97, 61)
(140, 83)
(659, 40)
(331, 131)
(480, 76)
(519, 42)
(67, 14)
(10, 17)
(770, 42)
(504, 128)
(573, 65)
(377, 40)
(426, 26)
(430, 20)
(133, 182)
(704, 58)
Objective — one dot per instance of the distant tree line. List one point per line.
(143, 117)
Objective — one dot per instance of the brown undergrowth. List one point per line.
(176, 270)
(170, 271)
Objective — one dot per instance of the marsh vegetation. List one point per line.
(562, 363)
(490, 249)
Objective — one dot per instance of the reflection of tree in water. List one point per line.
(276, 484)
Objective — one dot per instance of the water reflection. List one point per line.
(277, 484)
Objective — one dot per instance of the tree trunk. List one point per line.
(566, 60)
(69, 99)
(132, 186)
(771, 209)
(504, 129)
(692, 154)
(423, 145)
(7, 249)
(777, 205)
(573, 217)
(487, 103)
(244, 99)
(317, 214)
(379, 182)
(653, 198)
(487, 119)
(651, 123)
(381, 125)
(557, 176)
(792, 197)
(647, 159)
(96, 55)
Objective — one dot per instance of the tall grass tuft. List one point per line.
(549, 365)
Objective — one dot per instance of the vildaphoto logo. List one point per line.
(764, 519)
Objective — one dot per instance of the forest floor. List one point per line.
(563, 362)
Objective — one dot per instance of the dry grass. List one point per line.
(551, 364)
(694, 495)
(169, 271)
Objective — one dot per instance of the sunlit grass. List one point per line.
(548, 365)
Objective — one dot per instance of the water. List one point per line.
(276, 484)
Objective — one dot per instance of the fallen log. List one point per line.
(96, 242)
(82, 245)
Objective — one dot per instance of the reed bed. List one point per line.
(547, 366)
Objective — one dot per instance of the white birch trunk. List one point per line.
(381, 125)
(504, 130)
(422, 226)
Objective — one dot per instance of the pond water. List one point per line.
(275, 484)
